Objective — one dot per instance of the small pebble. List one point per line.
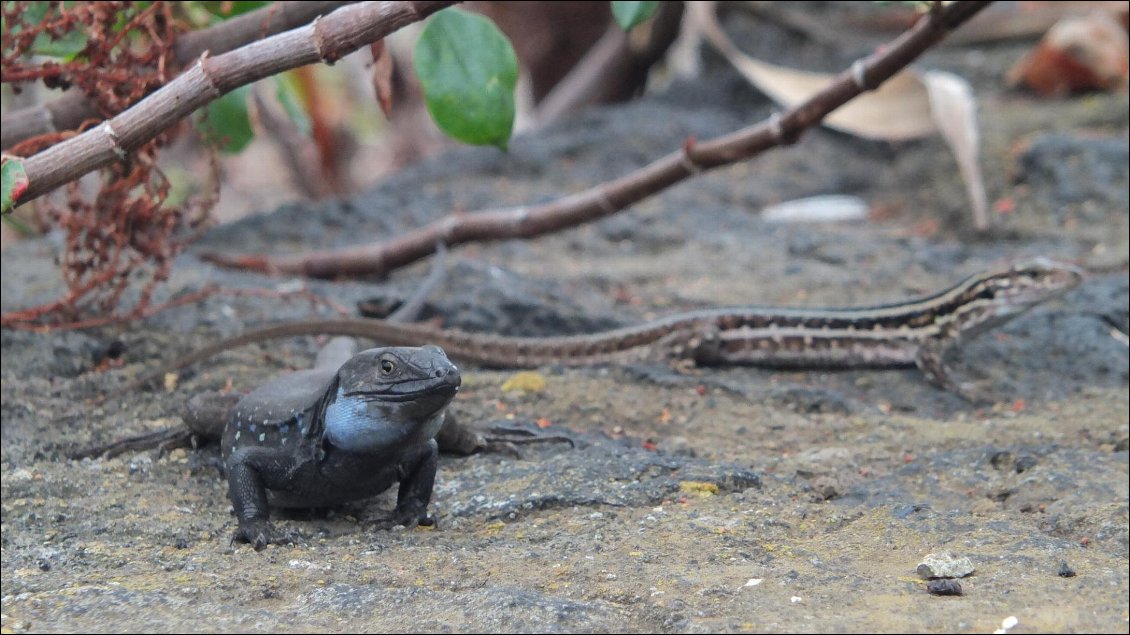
(830, 208)
(944, 587)
(945, 565)
(1025, 462)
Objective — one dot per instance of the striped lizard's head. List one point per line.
(989, 299)
(1027, 282)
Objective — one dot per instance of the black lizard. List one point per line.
(333, 434)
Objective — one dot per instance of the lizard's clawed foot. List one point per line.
(977, 393)
(931, 361)
(408, 517)
(456, 438)
(260, 532)
(506, 438)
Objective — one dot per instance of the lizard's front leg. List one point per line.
(417, 476)
(249, 498)
(931, 361)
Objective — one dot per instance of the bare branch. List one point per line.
(610, 197)
(69, 111)
(325, 40)
(241, 30)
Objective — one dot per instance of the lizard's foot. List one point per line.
(931, 361)
(408, 517)
(505, 438)
(260, 532)
(977, 393)
(457, 438)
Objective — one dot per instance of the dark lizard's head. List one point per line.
(388, 396)
(418, 382)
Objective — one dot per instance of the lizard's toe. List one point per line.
(260, 533)
(977, 393)
(408, 518)
(505, 439)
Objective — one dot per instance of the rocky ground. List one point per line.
(722, 500)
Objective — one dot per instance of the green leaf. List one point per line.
(13, 182)
(227, 122)
(468, 71)
(18, 226)
(630, 14)
(65, 48)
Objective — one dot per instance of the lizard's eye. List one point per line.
(387, 366)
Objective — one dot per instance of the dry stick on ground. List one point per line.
(70, 110)
(327, 39)
(610, 197)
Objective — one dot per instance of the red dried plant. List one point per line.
(124, 236)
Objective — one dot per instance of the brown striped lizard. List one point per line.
(910, 333)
